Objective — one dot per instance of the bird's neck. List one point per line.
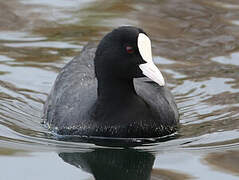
(115, 89)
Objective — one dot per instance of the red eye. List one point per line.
(129, 49)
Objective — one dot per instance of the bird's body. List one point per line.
(84, 102)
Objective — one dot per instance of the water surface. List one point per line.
(196, 46)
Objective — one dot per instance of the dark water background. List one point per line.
(196, 45)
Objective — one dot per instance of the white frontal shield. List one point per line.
(149, 69)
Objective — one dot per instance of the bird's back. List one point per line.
(74, 91)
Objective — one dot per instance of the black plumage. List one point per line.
(102, 92)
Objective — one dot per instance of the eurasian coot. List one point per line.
(113, 90)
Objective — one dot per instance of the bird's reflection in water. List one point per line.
(110, 164)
